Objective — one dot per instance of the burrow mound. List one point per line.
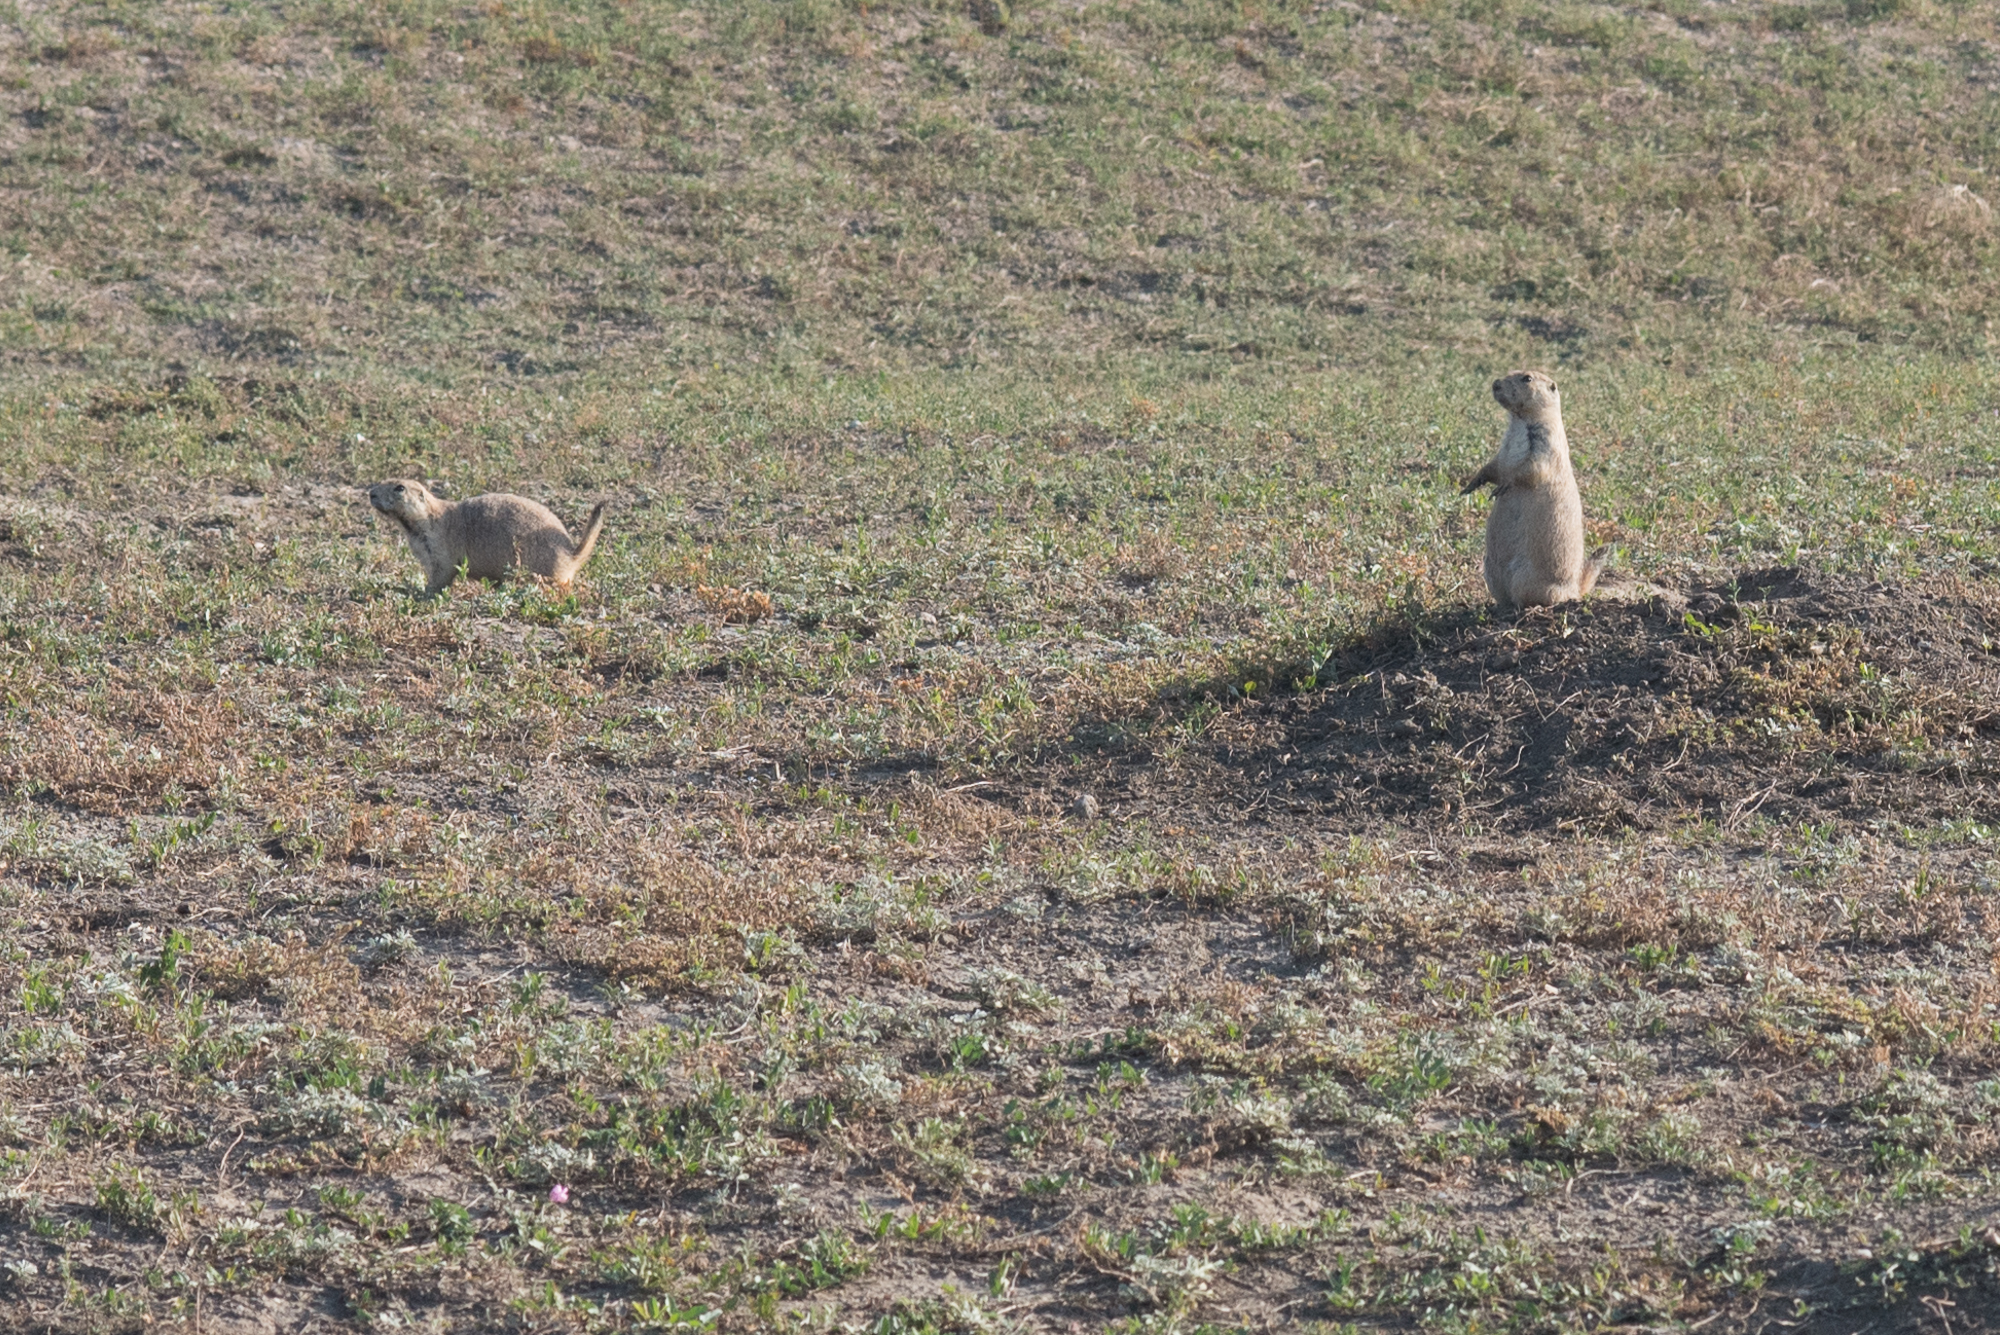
(1779, 693)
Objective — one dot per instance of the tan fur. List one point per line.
(1534, 534)
(489, 536)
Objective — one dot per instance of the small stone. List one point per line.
(1084, 808)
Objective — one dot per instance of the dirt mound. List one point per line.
(1794, 695)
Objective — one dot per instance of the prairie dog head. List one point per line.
(1529, 395)
(405, 500)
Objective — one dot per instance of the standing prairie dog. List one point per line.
(487, 535)
(1534, 534)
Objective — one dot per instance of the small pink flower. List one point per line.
(559, 1194)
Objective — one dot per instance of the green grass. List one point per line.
(1063, 373)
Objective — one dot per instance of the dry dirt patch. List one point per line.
(1786, 694)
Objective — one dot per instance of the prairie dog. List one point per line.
(489, 535)
(1534, 533)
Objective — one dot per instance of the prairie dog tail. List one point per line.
(1593, 568)
(588, 543)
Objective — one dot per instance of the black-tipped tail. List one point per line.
(1593, 568)
(590, 531)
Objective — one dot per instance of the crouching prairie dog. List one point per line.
(1534, 533)
(488, 536)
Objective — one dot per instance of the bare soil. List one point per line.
(1777, 693)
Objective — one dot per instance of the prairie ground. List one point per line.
(1027, 822)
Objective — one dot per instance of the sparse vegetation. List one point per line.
(999, 405)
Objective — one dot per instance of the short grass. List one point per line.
(1063, 374)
